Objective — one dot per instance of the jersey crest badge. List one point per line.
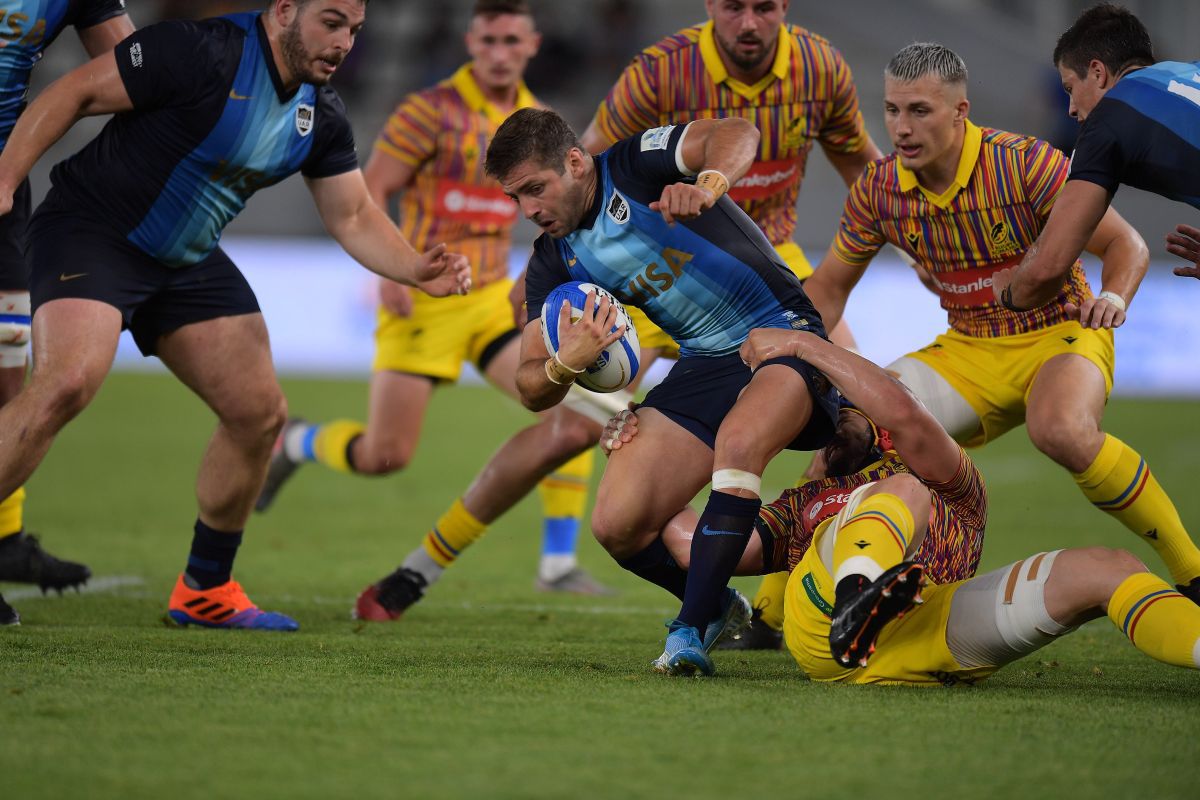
(1002, 241)
(618, 209)
(304, 119)
(656, 138)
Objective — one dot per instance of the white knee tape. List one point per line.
(737, 479)
(948, 406)
(15, 327)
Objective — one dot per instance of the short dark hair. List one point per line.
(531, 134)
(1108, 33)
(494, 8)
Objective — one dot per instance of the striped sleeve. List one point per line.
(965, 492)
(1046, 170)
(410, 134)
(843, 130)
(631, 105)
(859, 235)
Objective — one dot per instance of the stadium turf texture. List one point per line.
(488, 689)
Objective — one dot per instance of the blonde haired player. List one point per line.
(431, 154)
(966, 203)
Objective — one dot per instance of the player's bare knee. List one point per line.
(258, 416)
(908, 488)
(614, 532)
(1065, 439)
(64, 396)
(375, 458)
(1090, 575)
(739, 448)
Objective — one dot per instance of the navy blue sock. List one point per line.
(656, 565)
(721, 536)
(211, 561)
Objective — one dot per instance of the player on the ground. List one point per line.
(206, 113)
(797, 89)
(854, 607)
(33, 27)
(966, 202)
(431, 154)
(1140, 126)
(632, 221)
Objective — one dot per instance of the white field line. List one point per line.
(120, 584)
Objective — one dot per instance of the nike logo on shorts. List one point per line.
(233, 95)
(65, 277)
(707, 531)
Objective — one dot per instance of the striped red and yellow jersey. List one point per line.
(443, 132)
(1001, 197)
(953, 542)
(808, 96)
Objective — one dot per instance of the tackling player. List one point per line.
(851, 597)
(431, 154)
(1140, 126)
(633, 221)
(966, 202)
(206, 113)
(33, 27)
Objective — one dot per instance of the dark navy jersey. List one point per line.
(211, 125)
(706, 282)
(1145, 132)
(27, 27)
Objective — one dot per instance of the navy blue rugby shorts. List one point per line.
(73, 255)
(14, 268)
(700, 390)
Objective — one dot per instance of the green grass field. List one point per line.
(488, 689)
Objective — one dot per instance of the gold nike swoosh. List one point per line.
(65, 277)
(233, 95)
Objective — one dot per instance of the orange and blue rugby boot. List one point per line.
(224, 606)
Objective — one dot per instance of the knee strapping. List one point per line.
(15, 328)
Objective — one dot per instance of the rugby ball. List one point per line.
(618, 363)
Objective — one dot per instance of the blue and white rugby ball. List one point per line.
(618, 363)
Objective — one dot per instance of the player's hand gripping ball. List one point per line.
(617, 364)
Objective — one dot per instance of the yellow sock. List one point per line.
(11, 511)
(769, 599)
(330, 441)
(564, 491)
(873, 539)
(452, 534)
(1159, 621)
(1119, 483)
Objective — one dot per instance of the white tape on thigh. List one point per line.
(737, 479)
(1021, 612)
(596, 406)
(14, 328)
(947, 406)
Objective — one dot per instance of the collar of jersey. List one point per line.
(466, 85)
(264, 44)
(972, 141)
(718, 73)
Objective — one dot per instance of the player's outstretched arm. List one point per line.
(363, 229)
(830, 285)
(851, 165)
(1125, 259)
(918, 437)
(1037, 280)
(544, 378)
(387, 176)
(93, 89)
(1185, 243)
(719, 152)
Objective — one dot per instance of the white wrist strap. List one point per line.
(1113, 298)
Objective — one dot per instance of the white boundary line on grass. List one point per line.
(106, 583)
(113, 583)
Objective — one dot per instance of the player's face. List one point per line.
(317, 37)
(923, 118)
(555, 203)
(1085, 91)
(747, 30)
(851, 444)
(501, 48)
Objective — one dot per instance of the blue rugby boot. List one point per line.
(684, 653)
(735, 616)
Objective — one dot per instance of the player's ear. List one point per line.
(962, 109)
(576, 162)
(1098, 72)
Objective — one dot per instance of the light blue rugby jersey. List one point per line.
(1145, 132)
(707, 282)
(211, 125)
(27, 28)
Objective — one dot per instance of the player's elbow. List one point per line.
(744, 129)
